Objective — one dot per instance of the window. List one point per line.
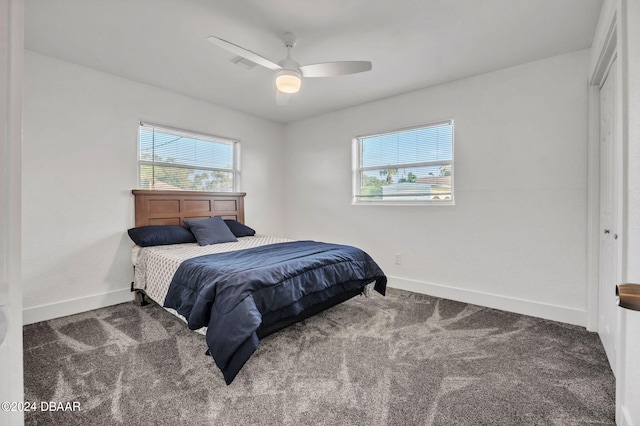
(176, 159)
(409, 166)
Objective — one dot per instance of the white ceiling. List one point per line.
(412, 43)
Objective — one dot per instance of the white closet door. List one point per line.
(609, 226)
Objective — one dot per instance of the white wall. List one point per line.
(515, 238)
(79, 166)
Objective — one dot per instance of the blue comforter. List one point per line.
(231, 292)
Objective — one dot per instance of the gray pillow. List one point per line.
(211, 231)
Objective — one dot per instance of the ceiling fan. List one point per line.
(289, 73)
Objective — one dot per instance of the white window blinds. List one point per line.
(177, 159)
(405, 166)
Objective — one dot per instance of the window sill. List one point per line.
(404, 203)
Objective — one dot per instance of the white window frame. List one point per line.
(357, 199)
(235, 170)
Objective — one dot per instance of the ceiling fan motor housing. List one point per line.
(289, 78)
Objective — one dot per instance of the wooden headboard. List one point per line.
(156, 207)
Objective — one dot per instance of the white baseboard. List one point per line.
(75, 306)
(520, 306)
(525, 307)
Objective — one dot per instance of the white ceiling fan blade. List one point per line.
(282, 98)
(241, 51)
(330, 69)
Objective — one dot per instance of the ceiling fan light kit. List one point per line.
(288, 81)
(288, 72)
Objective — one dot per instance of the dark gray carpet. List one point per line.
(404, 359)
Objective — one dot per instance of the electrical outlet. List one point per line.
(398, 259)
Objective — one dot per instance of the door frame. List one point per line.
(607, 45)
(11, 72)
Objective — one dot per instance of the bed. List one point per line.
(194, 255)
